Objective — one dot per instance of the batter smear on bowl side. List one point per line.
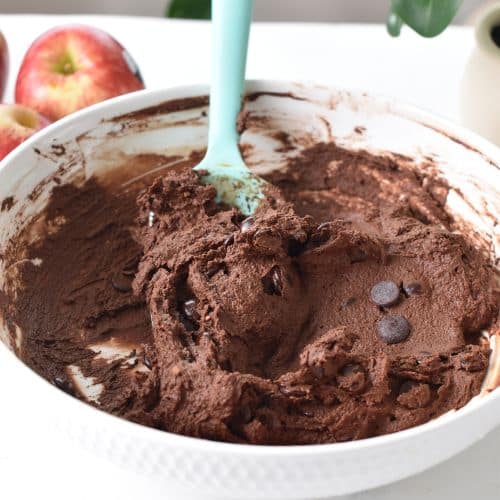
(347, 306)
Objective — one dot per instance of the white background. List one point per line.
(426, 72)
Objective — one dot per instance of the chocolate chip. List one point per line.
(147, 363)
(63, 384)
(413, 288)
(228, 240)
(295, 248)
(385, 293)
(272, 282)
(121, 283)
(323, 225)
(247, 224)
(276, 279)
(393, 329)
(189, 310)
(322, 233)
(357, 255)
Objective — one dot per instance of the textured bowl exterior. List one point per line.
(226, 470)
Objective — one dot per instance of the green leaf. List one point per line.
(190, 9)
(394, 24)
(427, 17)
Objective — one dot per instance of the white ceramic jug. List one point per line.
(480, 88)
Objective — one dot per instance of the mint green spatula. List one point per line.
(226, 170)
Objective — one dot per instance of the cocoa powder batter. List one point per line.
(175, 312)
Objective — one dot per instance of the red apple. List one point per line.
(17, 123)
(71, 67)
(4, 64)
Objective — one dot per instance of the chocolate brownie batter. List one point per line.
(348, 306)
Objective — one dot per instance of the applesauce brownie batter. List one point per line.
(345, 307)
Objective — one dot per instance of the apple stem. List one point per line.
(66, 65)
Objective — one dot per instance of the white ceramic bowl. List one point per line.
(94, 143)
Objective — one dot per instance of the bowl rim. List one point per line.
(150, 97)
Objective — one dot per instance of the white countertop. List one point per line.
(423, 72)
